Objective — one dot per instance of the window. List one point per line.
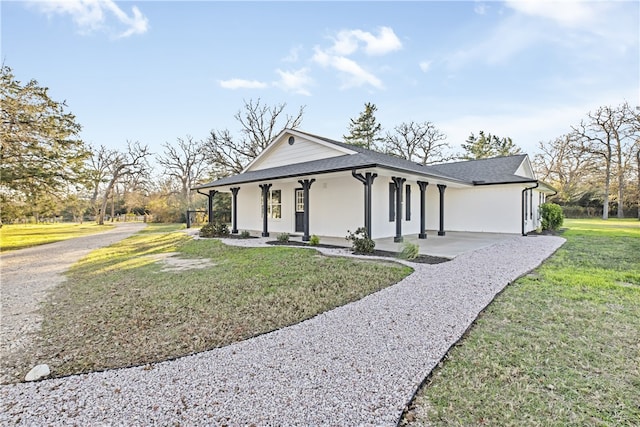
(299, 200)
(274, 204)
(408, 203)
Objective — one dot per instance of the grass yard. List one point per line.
(119, 308)
(560, 347)
(20, 236)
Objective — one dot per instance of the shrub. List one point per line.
(245, 234)
(283, 237)
(216, 229)
(552, 217)
(409, 251)
(314, 240)
(360, 241)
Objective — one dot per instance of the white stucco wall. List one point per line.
(494, 208)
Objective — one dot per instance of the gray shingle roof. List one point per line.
(495, 170)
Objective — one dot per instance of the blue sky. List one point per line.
(155, 71)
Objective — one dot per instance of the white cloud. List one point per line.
(347, 42)
(354, 74)
(425, 66)
(569, 13)
(350, 42)
(295, 81)
(97, 15)
(293, 55)
(581, 28)
(480, 8)
(242, 84)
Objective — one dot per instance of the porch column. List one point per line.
(423, 209)
(306, 185)
(367, 180)
(265, 203)
(234, 225)
(212, 194)
(441, 188)
(399, 183)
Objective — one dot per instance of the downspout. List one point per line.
(524, 199)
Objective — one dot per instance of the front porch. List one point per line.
(451, 245)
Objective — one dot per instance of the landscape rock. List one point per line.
(37, 372)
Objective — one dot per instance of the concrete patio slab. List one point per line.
(450, 245)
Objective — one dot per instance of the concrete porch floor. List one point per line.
(450, 245)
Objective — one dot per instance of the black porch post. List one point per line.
(367, 180)
(234, 225)
(265, 202)
(398, 182)
(441, 188)
(306, 185)
(212, 194)
(423, 209)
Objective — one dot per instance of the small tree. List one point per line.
(552, 216)
(365, 130)
(485, 146)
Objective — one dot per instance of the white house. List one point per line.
(303, 183)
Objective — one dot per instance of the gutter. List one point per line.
(523, 204)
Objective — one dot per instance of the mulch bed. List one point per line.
(421, 259)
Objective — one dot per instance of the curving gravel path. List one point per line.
(355, 365)
(26, 276)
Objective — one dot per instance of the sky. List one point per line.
(155, 71)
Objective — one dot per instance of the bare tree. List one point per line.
(606, 134)
(259, 125)
(418, 142)
(128, 165)
(564, 164)
(98, 170)
(184, 162)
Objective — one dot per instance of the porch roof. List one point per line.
(347, 162)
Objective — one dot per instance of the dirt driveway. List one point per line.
(26, 276)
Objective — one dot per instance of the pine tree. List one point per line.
(365, 130)
(485, 146)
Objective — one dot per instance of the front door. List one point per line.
(299, 202)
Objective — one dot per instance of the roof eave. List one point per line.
(334, 170)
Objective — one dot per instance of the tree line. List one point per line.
(46, 170)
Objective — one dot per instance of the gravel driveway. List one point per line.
(355, 365)
(27, 275)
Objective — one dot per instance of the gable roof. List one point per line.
(495, 170)
(473, 172)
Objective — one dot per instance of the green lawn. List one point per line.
(119, 308)
(560, 347)
(20, 236)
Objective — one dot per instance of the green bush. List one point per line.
(216, 229)
(314, 240)
(552, 217)
(409, 251)
(360, 241)
(283, 237)
(245, 234)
